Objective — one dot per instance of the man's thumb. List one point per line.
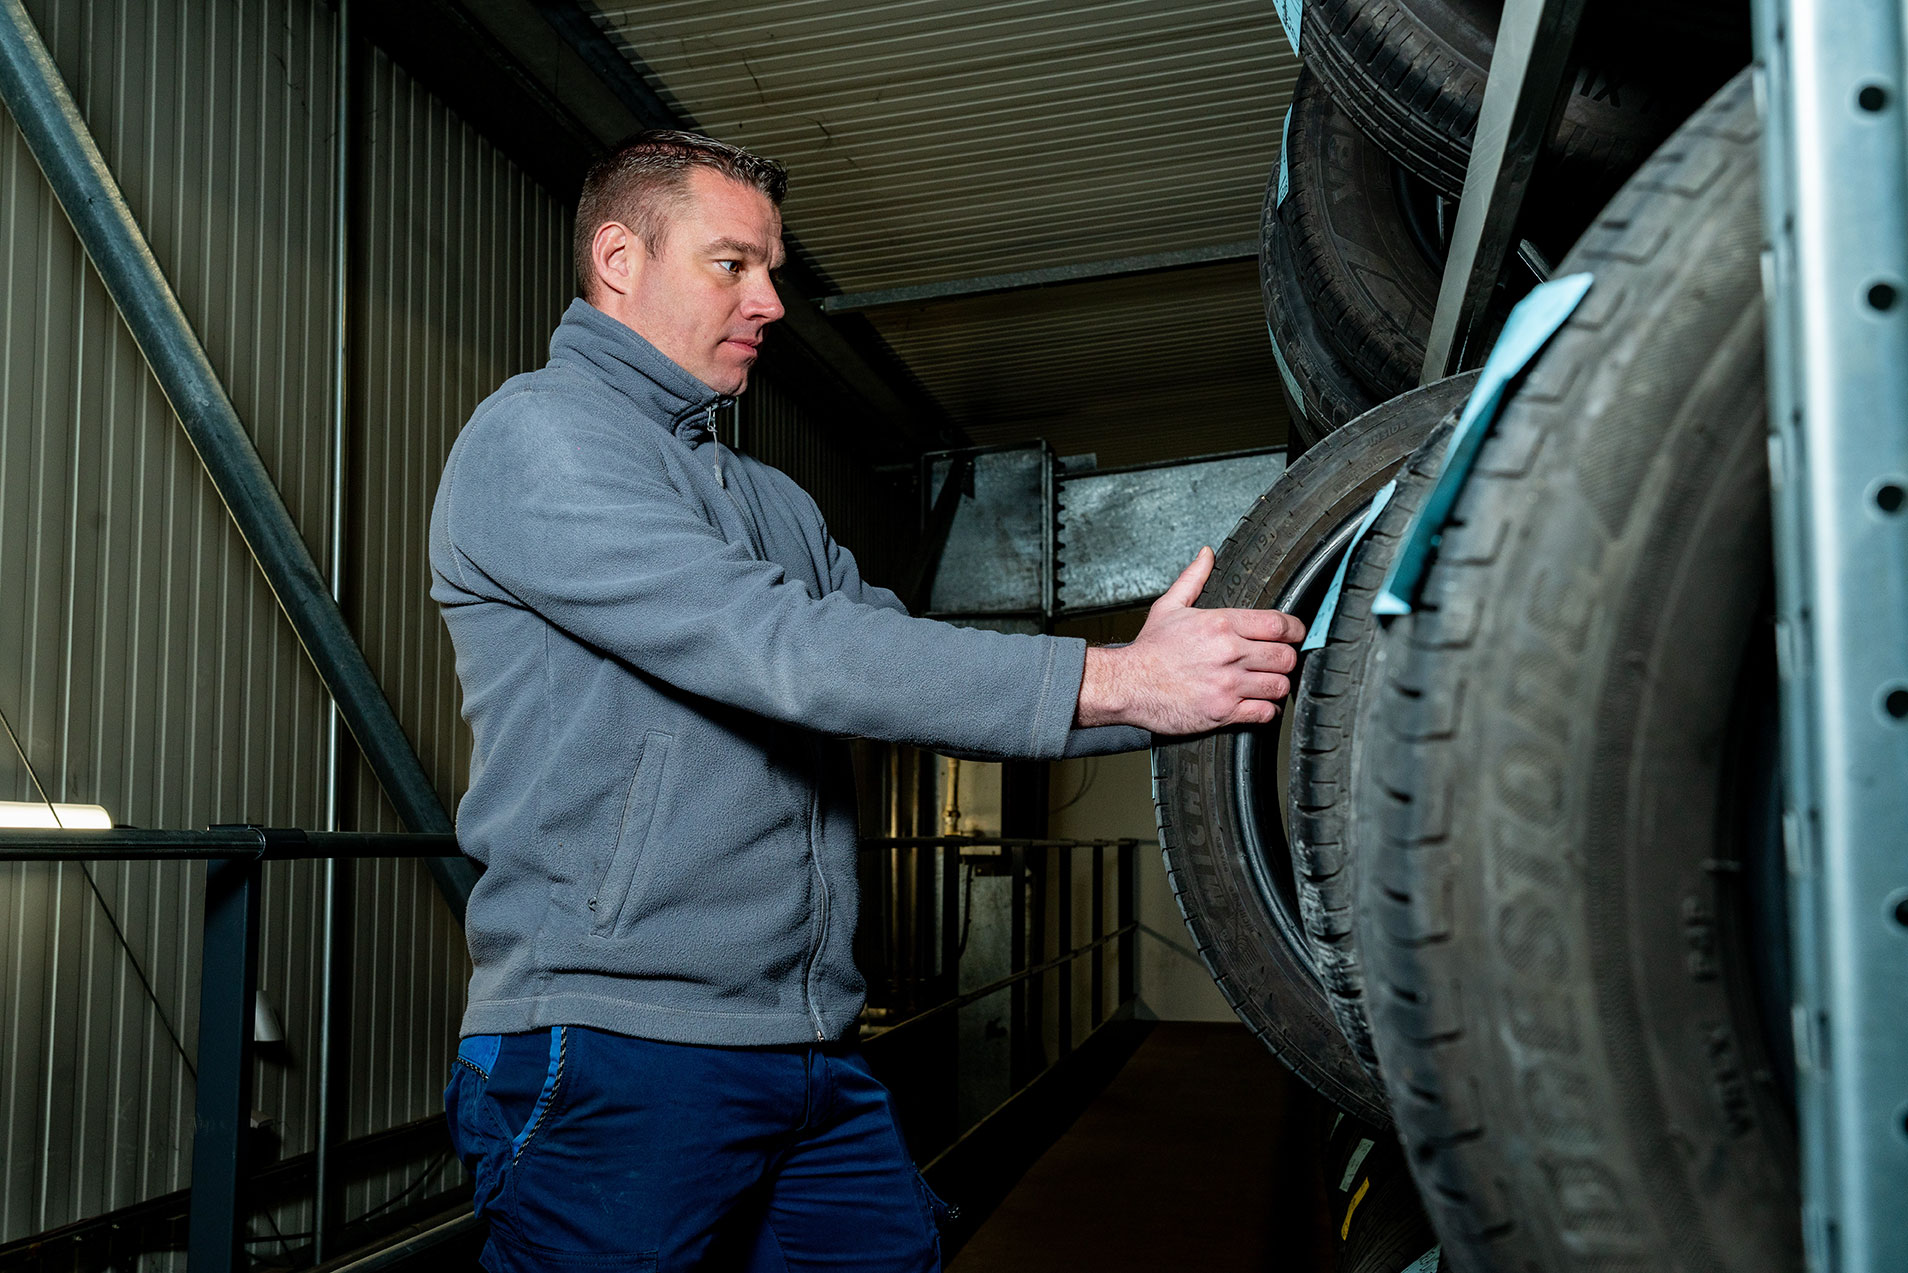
(1185, 589)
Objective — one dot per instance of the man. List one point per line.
(660, 649)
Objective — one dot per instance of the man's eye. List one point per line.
(732, 267)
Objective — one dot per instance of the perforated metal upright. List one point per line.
(1832, 83)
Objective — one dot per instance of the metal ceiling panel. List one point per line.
(934, 139)
(1133, 369)
(937, 140)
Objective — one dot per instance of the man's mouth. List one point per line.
(750, 343)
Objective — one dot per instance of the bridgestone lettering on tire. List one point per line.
(1555, 921)
(1224, 838)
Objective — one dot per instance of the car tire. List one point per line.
(1559, 920)
(1216, 796)
(1328, 701)
(1321, 391)
(1412, 74)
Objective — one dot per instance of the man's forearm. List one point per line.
(1103, 693)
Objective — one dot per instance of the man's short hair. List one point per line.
(642, 184)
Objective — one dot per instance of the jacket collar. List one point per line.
(601, 347)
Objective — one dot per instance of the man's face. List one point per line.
(705, 294)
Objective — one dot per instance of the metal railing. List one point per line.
(1026, 862)
(219, 1201)
(945, 1065)
(235, 857)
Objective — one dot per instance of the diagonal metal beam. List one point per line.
(43, 109)
(1523, 101)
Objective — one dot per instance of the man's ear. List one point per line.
(618, 256)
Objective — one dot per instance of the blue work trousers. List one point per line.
(594, 1151)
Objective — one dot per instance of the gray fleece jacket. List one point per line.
(661, 653)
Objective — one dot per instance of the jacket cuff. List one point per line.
(1104, 740)
(1059, 698)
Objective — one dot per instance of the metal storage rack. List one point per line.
(1830, 80)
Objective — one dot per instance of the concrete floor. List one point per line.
(1201, 1154)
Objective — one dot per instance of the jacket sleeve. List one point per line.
(1100, 740)
(567, 523)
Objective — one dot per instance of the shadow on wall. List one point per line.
(1112, 796)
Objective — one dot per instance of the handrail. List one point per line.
(999, 984)
(274, 844)
(1003, 841)
(263, 844)
(235, 855)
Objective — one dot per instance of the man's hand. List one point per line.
(1193, 670)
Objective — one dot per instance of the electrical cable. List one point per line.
(967, 912)
(430, 1169)
(119, 934)
(112, 920)
(1091, 776)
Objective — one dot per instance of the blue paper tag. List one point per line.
(1315, 636)
(1291, 14)
(1529, 327)
(1285, 175)
(1285, 374)
(1426, 1263)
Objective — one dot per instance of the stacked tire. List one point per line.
(1372, 162)
(1521, 846)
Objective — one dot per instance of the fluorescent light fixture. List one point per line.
(59, 817)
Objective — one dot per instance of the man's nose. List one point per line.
(764, 302)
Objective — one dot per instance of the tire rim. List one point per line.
(1268, 850)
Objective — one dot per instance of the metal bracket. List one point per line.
(1523, 100)
(1835, 269)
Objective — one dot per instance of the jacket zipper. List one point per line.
(821, 878)
(821, 929)
(715, 444)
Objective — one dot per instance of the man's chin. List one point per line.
(728, 382)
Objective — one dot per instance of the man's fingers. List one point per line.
(1266, 625)
(1265, 685)
(1269, 656)
(1254, 711)
(1185, 589)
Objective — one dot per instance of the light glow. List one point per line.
(59, 817)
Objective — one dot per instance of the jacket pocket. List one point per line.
(612, 897)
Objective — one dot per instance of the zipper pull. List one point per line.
(716, 442)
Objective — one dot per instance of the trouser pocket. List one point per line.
(942, 1213)
(479, 1139)
(499, 1095)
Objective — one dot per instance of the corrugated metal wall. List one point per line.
(142, 659)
